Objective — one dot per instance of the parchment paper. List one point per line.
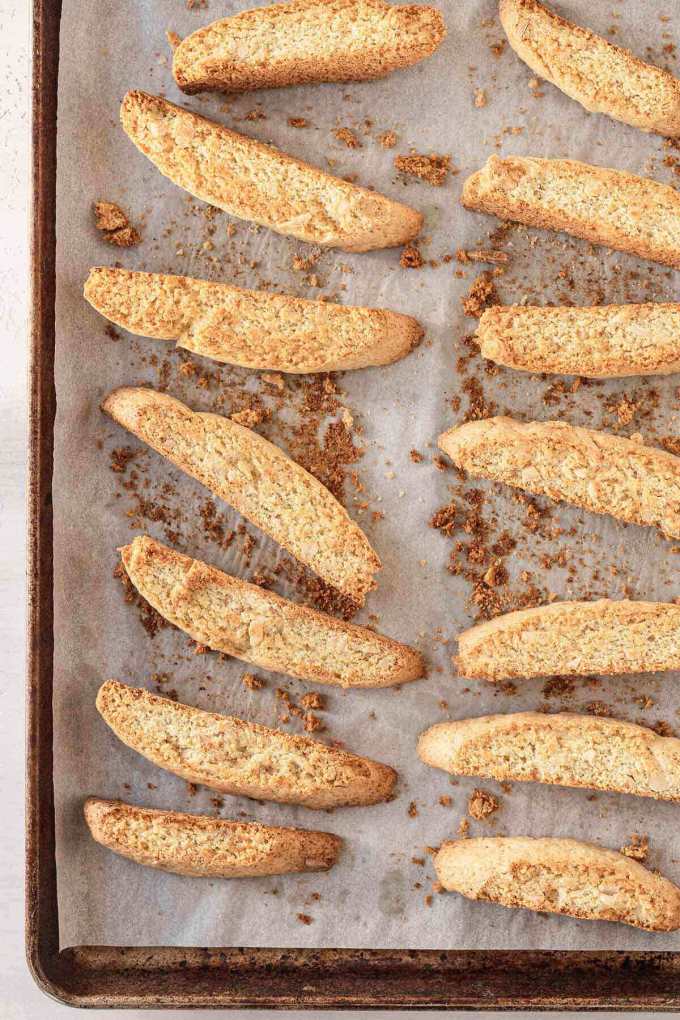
(376, 896)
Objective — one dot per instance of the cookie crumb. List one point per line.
(388, 139)
(173, 39)
(114, 225)
(252, 682)
(305, 919)
(481, 295)
(313, 700)
(433, 168)
(411, 257)
(637, 849)
(298, 122)
(481, 805)
(481, 98)
(482, 255)
(250, 417)
(347, 137)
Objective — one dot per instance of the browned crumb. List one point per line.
(445, 800)
(428, 900)
(444, 519)
(250, 417)
(312, 723)
(672, 444)
(305, 919)
(120, 458)
(481, 805)
(663, 729)
(313, 700)
(347, 137)
(173, 39)
(482, 255)
(411, 257)
(625, 410)
(302, 264)
(114, 225)
(388, 139)
(482, 293)
(256, 114)
(598, 708)
(637, 849)
(463, 828)
(298, 122)
(433, 168)
(252, 682)
(416, 456)
(412, 811)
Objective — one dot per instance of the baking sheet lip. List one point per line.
(71, 976)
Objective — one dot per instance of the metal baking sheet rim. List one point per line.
(172, 977)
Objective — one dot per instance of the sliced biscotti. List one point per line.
(306, 42)
(205, 847)
(598, 471)
(239, 757)
(559, 876)
(258, 626)
(600, 76)
(251, 328)
(573, 639)
(258, 480)
(606, 341)
(610, 207)
(562, 749)
(256, 182)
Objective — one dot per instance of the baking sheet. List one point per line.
(378, 895)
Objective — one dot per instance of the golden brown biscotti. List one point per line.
(559, 876)
(258, 626)
(600, 472)
(256, 182)
(238, 757)
(251, 328)
(306, 42)
(205, 847)
(563, 749)
(602, 342)
(258, 480)
(602, 77)
(610, 207)
(573, 639)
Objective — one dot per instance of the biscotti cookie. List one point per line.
(256, 182)
(258, 626)
(573, 639)
(306, 42)
(602, 77)
(258, 480)
(251, 328)
(559, 876)
(606, 341)
(610, 207)
(206, 847)
(598, 471)
(238, 757)
(563, 749)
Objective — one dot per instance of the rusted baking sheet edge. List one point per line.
(178, 977)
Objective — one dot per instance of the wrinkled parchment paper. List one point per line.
(376, 896)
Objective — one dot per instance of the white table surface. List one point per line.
(20, 999)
